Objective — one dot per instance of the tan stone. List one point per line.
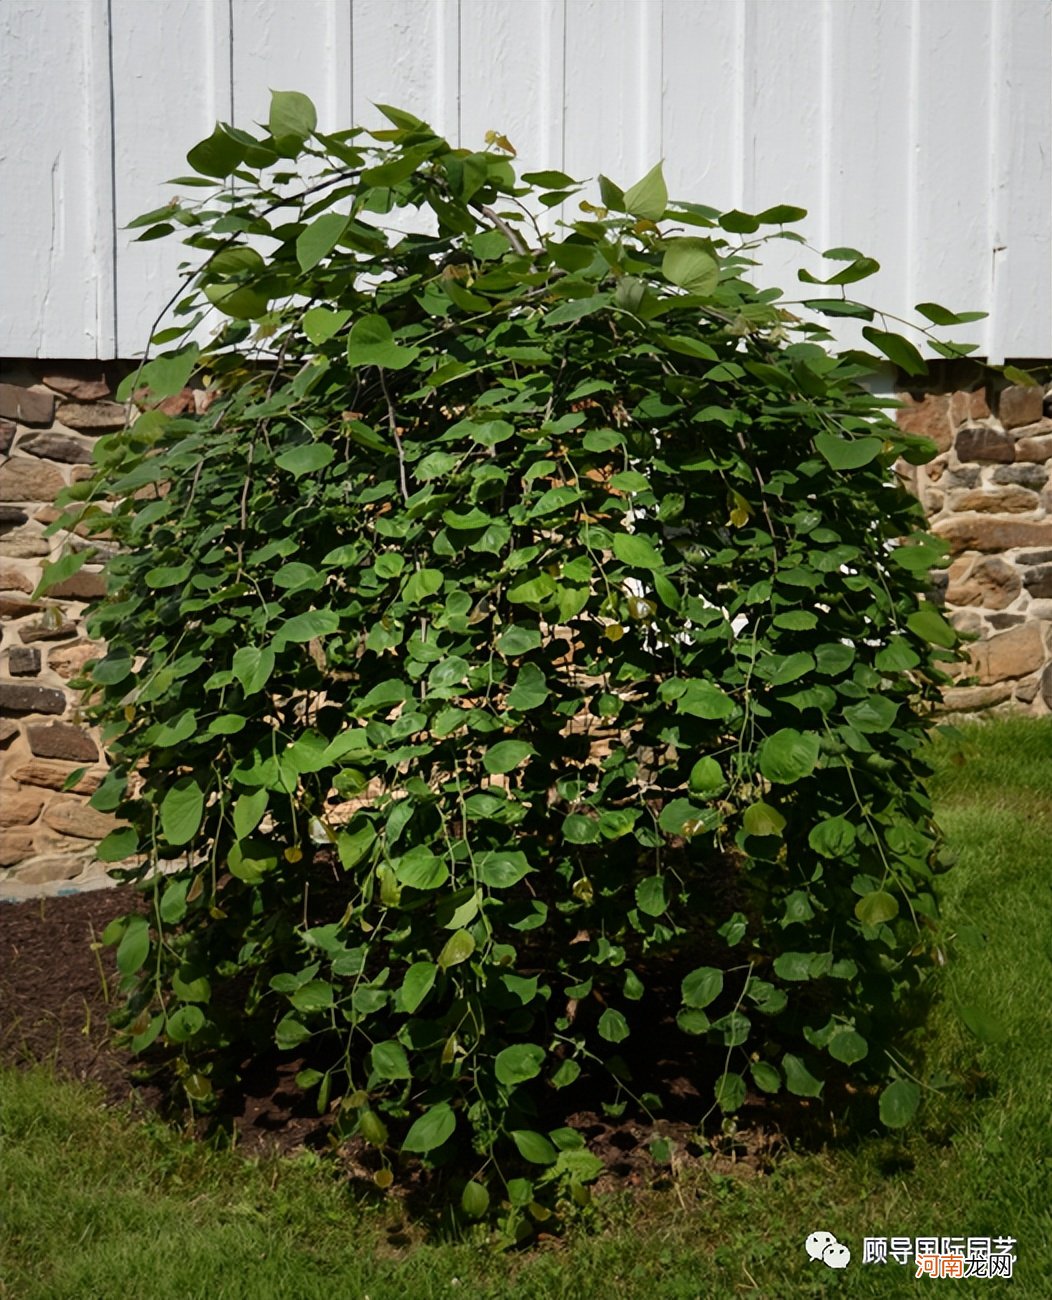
(24, 546)
(69, 660)
(47, 868)
(72, 816)
(928, 418)
(19, 807)
(15, 846)
(1011, 500)
(968, 622)
(14, 580)
(18, 606)
(47, 630)
(1014, 653)
(79, 390)
(85, 585)
(988, 581)
(8, 731)
(26, 405)
(1020, 404)
(966, 698)
(52, 775)
(22, 479)
(1036, 450)
(98, 417)
(975, 532)
(935, 469)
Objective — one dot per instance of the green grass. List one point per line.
(95, 1206)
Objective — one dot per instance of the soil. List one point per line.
(58, 991)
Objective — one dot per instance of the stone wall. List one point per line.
(988, 493)
(50, 414)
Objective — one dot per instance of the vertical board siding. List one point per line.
(919, 131)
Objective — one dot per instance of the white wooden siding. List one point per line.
(919, 131)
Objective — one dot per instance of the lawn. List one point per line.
(94, 1205)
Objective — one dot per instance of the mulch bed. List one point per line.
(57, 992)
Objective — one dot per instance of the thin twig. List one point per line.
(511, 235)
(392, 422)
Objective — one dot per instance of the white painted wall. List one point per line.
(919, 131)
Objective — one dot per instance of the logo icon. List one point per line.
(824, 1246)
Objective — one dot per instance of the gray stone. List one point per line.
(61, 740)
(57, 446)
(11, 516)
(1038, 581)
(7, 435)
(24, 546)
(26, 406)
(1026, 475)
(47, 631)
(23, 661)
(1027, 689)
(963, 476)
(17, 697)
(1034, 557)
(1046, 685)
(1001, 621)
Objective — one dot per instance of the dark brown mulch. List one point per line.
(58, 990)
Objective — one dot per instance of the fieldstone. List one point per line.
(989, 581)
(935, 469)
(30, 480)
(1034, 449)
(24, 546)
(8, 731)
(25, 405)
(1013, 500)
(179, 403)
(966, 621)
(1026, 475)
(965, 698)
(932, 500)
(78, 390)
(18, 606)
(85, 585)
(61, 740)
(15, 846)
(46, 868)
(57, 446)
(1038, 581)
(14, 580)
(929, 418)
(1040, 610)
(1000, 621)
(963, 476)
(965, 407)
(53, 775)
(1046, 685)
(7, 435)
(17, 697)
(1020, 404)
(981, 533)
(1026, 690)
(1014, 653)
(69, 660)
(96, 417)
(71, 816)
(1034, 557)
(47, 631)
(980, 442)
(11, 516)
(23, 662)
(19, 807)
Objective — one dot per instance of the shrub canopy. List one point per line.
(523, 657)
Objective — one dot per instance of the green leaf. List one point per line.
(832, 838)
(474, 1200)
(422, 584)
(501, 868)
(794, 966)
(517, 1064)
(788, 755)
(506, 755)
(118, 845)
(533, 1146)
(248, 812)
(704, 699)
(691, 263)
(305, 627)
(315, 995)
(798, 1078)
(848, 1047)
(873, 715)
(252, 667)
(650, 896)
(431, 1130)
(182, 1024)
(134, 946)
(706, 777)
(218, 155)
(649, 197)
(637, 551)
(389, 1060)
(929, 625)
(516, 640)
(250, 860)
(898, 1103)
(761, 819)
(729, 1091)
(765, 1076)
(371, 343)
(530, 690)
(167, 375)
(418, 981)
(181, 811)
(983, 1024)
(876, 908)
(421, 869)
(319, 239)
(321, 323)
(847, 453)
(702, 986)
(292, 117)
(532, 589)
(458, 948)
(613, 1026)
(578, 829)
(897, 349)
(307, 459)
